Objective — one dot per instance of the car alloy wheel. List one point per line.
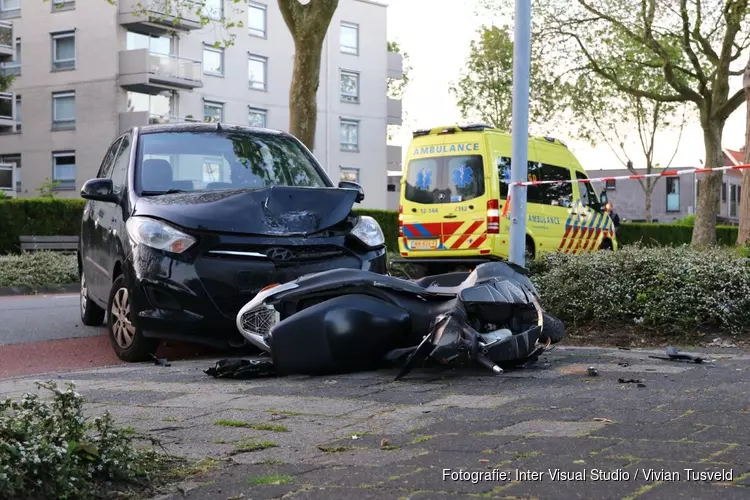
(122, 328)
(84, 294)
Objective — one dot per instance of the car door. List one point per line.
(595, 219)
(111, 213)
(549, 206)
(91, 236)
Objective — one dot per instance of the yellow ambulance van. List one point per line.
(454, 187)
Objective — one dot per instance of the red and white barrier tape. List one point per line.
(668, 173)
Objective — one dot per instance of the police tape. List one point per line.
(667, 173)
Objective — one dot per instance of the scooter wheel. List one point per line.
(553, 329)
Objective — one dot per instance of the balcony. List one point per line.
(394, 112)
(394, 157)
(130, 119)
(159, 17)
(151, 73)
(395, 65)
(7, 112)
(7, 42)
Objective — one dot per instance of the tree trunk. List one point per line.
(648, 192)
(303, 93)
(709, 192)
(743, 235)
(308, 25)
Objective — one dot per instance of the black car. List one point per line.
(186, 223)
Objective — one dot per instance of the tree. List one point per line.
(485, 90)
(689, 46)
(397, 87)
(743, 235)
(308, 25)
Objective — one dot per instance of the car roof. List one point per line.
(204, 127)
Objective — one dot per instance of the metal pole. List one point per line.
(520, 130)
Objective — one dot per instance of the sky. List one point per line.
(436, 36)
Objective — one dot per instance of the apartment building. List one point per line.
(86, 71)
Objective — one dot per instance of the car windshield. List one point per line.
(445, 179)
(193, 161)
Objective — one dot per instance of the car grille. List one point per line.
(280, 254)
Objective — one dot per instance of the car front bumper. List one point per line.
(197, 297)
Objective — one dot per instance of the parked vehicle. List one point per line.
(454, 192)
(350, 320)
(186, 223)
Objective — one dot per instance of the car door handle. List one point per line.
(451, 216)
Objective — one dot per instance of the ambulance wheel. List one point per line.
(606, 245)
(530, 250)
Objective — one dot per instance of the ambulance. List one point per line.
(454, 189)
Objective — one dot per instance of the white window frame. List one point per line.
(264, 61)
(343, 48)
(254, 31)
(257, 111)
(13, 67)
(218, 50)
(64, 183)
(214, 104)
(63, 124)
(346, 146)
(63, 64)
(207, 12)
(15, 160)
(353, 99)
(343, 170)
(14, 12)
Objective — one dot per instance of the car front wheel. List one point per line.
(91, 314)
(126, 338)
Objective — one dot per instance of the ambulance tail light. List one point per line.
(493, 216)
(400, 221)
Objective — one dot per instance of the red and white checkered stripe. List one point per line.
(668, 173)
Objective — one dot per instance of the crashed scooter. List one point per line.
(347, 320)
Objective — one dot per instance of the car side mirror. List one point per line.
(603, 197)
(99, 190)
(353, 185)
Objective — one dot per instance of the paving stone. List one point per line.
(128, 397)
(721, 434)
(402, 397)
(549, 428)
(354, 477)
(691, 490)
(568, 447)
(672, 431)
(333, 492)
(296, 404)
(717, 418)
(473, 401)
(653, 449)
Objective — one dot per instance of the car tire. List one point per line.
(553, 329)
(126, 338)
(91, 314)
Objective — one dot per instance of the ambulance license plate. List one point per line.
(424, 244)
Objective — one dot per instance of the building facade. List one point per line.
(87, 71)
(673, 197)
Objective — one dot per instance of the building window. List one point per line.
(213, 60)
(63, 110)
(673, 194)
(733, 199)
(13, 159)
(64, 50)
(64, 169)
(213, 112)
(160, 107)
(257, 69)
(13, 67)
(391, 188)
(611, 185)
(214, 9)
(349, 38)
(349, 86)
(58, 5)
(349, 174)
(18, 113)
(257, 117)
(10, 8)
(349, 135)
(723, 192)
(257, 19)
(153, 43)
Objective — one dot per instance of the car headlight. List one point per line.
(156, 234)
(368, 232)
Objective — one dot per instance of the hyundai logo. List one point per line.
(279, 254)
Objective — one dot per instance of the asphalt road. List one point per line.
(25, 319)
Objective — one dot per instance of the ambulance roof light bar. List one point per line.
(452, 129)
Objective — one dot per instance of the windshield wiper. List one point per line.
(168, 191)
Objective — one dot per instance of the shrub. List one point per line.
(38, 217)
(49, 450)
(669, 287)
(669, 234)
(688, 220)
(38, 269)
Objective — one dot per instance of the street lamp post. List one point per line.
(520, 130)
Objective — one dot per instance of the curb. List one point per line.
(8, 291)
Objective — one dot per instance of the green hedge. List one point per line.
(37, 217)
(49, 217)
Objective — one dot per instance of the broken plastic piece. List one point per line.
(160, 361)
(674, 355)
(593, 372)
(242, 368)
(629, 381)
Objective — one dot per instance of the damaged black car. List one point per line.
(184, 224)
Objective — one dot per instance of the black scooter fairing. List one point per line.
(344, 334)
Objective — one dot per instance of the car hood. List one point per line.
(277, 210)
